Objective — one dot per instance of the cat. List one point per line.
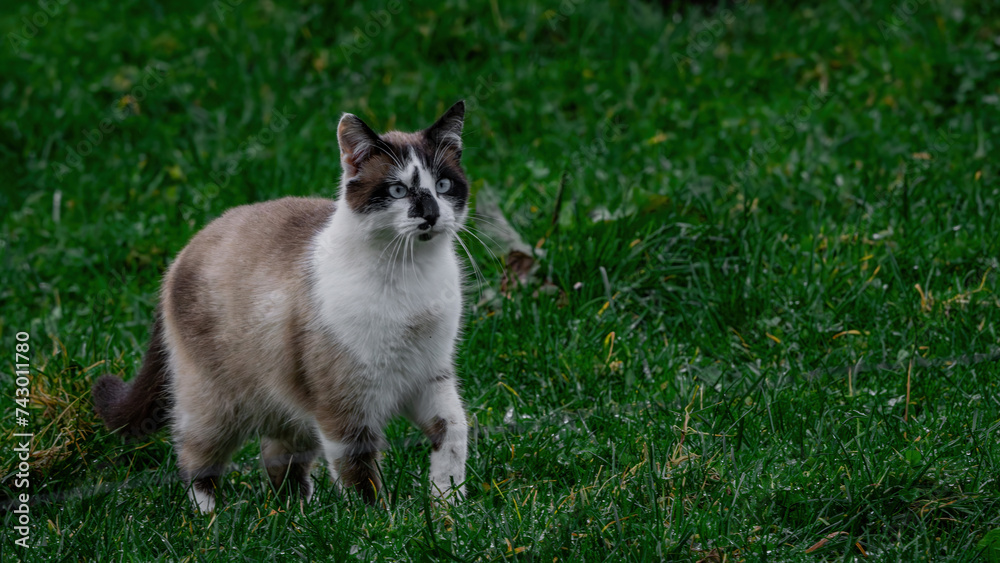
(312, 322)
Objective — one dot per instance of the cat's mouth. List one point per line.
(425, 236)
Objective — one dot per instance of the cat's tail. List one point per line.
(141, 406)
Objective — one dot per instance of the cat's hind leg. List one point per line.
(207, 431)
(353, 455)
(204, 452)
(288, 455)
(437, 410)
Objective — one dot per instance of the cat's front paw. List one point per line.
(444, 491)
(203, 500)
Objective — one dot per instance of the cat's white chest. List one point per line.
(398, 322)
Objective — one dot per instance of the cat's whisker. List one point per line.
(395, 252)
(396, 159)
(388, 150)
(437, 156)
(469, 230)
(480, 279)
(388, 245)
(468, 252)
(495, 242)
(413, 265)
(404, 245)
(434, 161)
(483, 232)
(439, 152)
(472, 233)
(485, 219)
(489, 221)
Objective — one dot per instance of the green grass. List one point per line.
(772, 184)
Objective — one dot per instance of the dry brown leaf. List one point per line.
(824, 541)
(520, 264)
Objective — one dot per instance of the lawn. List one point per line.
(763, 322)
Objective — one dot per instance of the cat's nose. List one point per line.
(426, 207)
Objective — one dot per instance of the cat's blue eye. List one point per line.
(398, 190)
(443, 185)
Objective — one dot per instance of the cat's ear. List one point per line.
(447, 130)
(357, 140)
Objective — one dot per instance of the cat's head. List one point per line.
(409, 184)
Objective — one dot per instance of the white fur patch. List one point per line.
(333, 450)
(202, 500)
(394, 303)
(448, 459)
(370, 295)
(427, 180)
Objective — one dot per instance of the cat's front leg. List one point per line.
(438, 412)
